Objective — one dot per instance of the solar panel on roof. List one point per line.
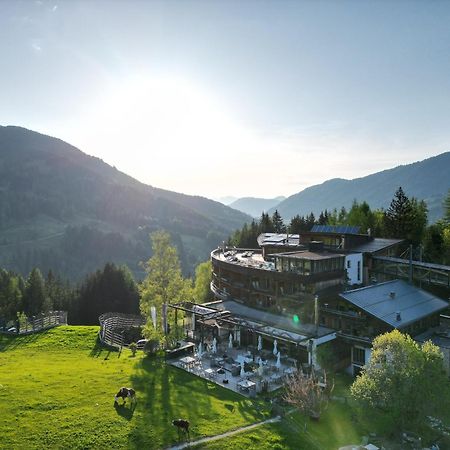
(344, 229)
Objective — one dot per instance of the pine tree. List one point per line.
(266, 224)
(34, 297)
(310, 221)
(297, 225)
(278, 222)
(406, 219)
(322, 220)
(398, 216)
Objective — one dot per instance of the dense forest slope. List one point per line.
(255, 206)
(427, 180)
(65, 210)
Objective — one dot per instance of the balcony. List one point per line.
(347, 314)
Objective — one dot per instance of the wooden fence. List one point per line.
(112, 326)
(37, 323)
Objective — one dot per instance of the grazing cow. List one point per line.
(182, 425)
(125, 393)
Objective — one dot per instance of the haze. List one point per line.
(232, 98)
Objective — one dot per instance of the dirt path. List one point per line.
(224, 435)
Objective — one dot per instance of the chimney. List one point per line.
(399, 317)
(392, 294)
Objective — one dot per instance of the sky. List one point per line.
(241, 98)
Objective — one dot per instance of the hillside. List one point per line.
(427, 180)
(65, 210)
(255, 206)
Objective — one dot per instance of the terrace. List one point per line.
(246, 372)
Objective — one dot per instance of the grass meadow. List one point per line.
(57, 391)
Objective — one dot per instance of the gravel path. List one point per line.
(224, 435)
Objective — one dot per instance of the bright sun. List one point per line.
(167, 124)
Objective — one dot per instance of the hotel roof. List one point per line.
(386, 301)
(375, 245)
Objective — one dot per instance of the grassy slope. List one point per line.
(57, 389)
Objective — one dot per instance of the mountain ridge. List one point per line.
(254, 206)
(50, 188)
(427, 180)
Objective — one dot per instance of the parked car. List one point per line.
(141, 343)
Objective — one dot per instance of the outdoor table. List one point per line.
(210, 373)
(187, 361)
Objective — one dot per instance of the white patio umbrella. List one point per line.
(278, 364)
(230, 341)
(214, 346)
(275, 350)
(242, 369)
(260, 368)
(259, 343)
(200, 350)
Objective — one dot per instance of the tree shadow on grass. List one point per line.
(124, 410)
(102, 350)
(166, 393)
(11, 342)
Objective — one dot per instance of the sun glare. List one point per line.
(166, 123)
(188, 139)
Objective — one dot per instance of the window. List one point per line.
(349, 265)
(359, 356)
(359, 270)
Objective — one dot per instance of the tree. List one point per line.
(419, 221)
(405, 218)
(34, 297)
(10, 296)
(266, 224)
(203, 277)
(361, 215)
(433, 244)
(307, 394)
(403, 379)
(278, 222)
(447, 209)
(297, 224)
(310, 221)
(164, 284)
(111, 289)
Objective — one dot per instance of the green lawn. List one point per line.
(57, 391)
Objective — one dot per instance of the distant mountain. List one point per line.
(255, 206)
(427, 180)
(226, 200)
(61, 209)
